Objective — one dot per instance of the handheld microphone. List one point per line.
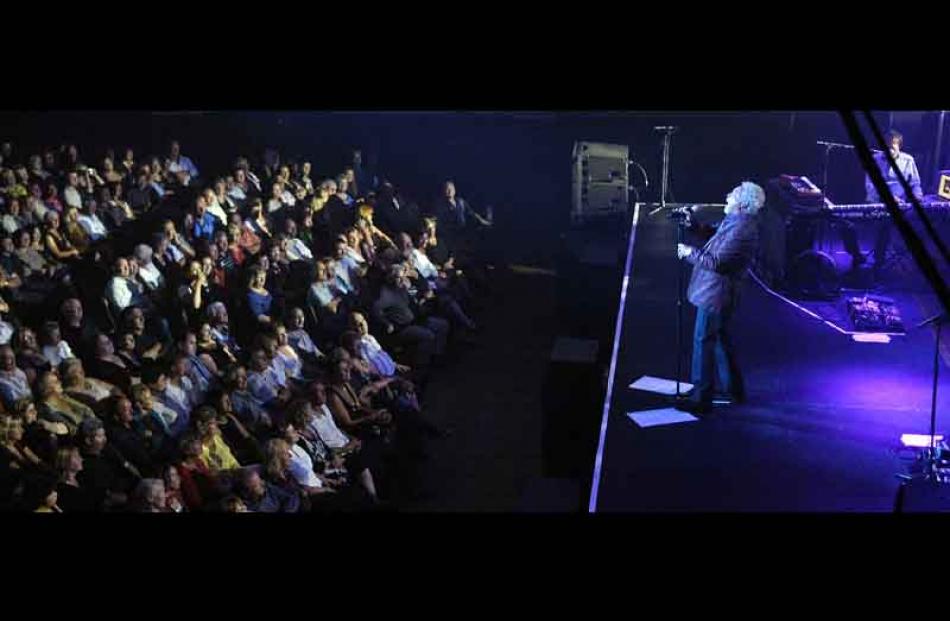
(682, 213)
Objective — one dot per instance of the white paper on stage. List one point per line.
(659, 385)
(665, 416)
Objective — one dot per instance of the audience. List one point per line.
(185, 371)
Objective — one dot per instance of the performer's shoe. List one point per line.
(729, 399)
(685, 404)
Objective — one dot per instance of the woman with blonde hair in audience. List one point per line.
(277, 471)
(77, 235)
(14, 451)
(57, 244)
(73, 497)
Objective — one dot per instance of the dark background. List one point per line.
(518, 162)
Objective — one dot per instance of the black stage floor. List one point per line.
(823, 421)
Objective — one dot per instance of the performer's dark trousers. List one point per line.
(882, 237)
(713, 354)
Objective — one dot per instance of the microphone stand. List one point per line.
(667, 131)
(680, 278)
(931, 470)
(827, 157)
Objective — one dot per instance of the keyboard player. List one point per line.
(882, 234)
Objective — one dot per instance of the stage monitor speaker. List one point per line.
(600, 180)
(923, 497)
(571, 399)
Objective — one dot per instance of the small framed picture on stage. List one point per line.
(943, 184)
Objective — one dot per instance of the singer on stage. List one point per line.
(718, 269)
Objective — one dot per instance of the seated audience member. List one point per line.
(200, 224)
(76, 329)
(242, 442)
(148, 273)
(181, 166)
(87, 390)
(180, 386)
(299, 338)
(143, 197)
(127, 349)
(267, 381)
(215, 452)
(15, 452)
(151, 337)
(55, 349)
(174, 500)
(369, 349)
(214, 207)
(107, 475)
(396, 311)
(133, 437)
(14, 384)
(262, 496)
(296, 249)
(123, 292)
(220, 328)
(352, 413)
(40, 435)
(314, 421)
(249, 409)
(201, 369)
(90, 222)
(53, 404)
(199, 486)
(73, 496)
(56, 242)
(40, 495)
(258, 223)
(301, 466)
(178, 246)
(28, 354)
(155, 378)
(149, 497)
(259, 299)
(109, 367)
